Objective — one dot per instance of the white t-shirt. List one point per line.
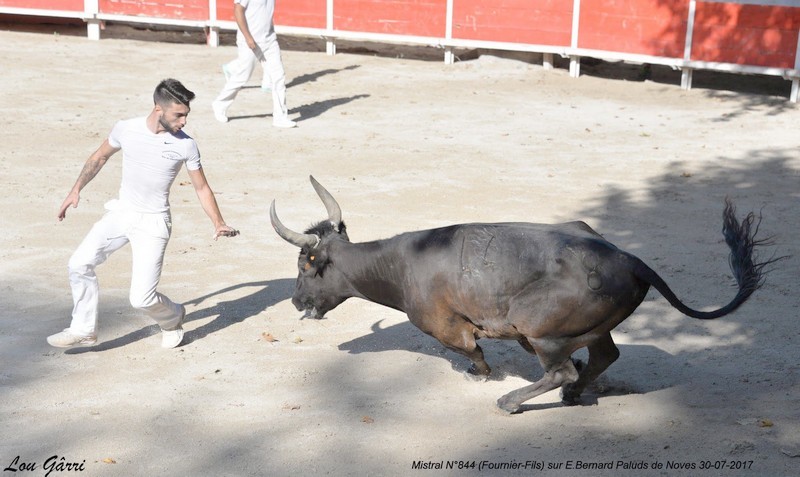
(259, 19)
(150, 163)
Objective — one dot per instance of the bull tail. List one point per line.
(747, 270)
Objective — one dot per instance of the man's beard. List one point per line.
(166, 126)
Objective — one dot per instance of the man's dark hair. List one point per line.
(172, 91)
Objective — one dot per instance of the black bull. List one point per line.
(553, 288)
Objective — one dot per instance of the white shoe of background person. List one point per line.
(219, 112)
(284, 123)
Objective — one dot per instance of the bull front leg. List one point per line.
(459, 335)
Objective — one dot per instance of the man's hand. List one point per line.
(71, 201)
(225, 231)
(241, 22)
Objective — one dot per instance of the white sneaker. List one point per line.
(219, 112)
(284, 123)
(172, 338)
(66, 339)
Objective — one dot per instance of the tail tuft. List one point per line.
(741, 239)
(748, 271)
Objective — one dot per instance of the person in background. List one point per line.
(255, 41)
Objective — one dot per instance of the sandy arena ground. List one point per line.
(403, 143)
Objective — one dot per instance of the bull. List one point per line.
(553, 288)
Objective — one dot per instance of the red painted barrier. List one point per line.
(395, 17)
(644, 27)
(66, 5)
(295, 13)
(752, 36)
(746, 34)
(172, 9)
(301, 13)
(536, 22)
(225, 10)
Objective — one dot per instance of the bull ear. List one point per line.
(294, 238)
(334, 211)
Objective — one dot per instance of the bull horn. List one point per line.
(294, 238)
(334, 211)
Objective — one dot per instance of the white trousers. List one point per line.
(241, 69)
(148, 235)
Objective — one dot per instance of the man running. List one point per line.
(154, 148)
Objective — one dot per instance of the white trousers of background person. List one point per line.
(241, 69)
(148, 235)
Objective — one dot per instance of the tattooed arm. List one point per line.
(93, 165)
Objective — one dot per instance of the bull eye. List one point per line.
(312, 258)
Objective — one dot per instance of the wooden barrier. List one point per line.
(420, 18)
(535, 22)
(740, 36)
(45, 8)
(655, 27)
(757, 35)
(168, 9)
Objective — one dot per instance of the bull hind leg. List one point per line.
(555, 375)
(602, 353)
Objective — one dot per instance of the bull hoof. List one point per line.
(478, 373)
(571, 401)
(569, 397)
(507, 405)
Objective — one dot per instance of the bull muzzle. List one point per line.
(308, 309)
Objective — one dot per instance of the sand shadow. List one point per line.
(312, 77)
(265, 294)
(307, 111)
(507, 358)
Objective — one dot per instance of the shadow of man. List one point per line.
(266, 294)
(312, 77)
